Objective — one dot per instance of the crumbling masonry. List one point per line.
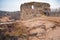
(34, 9)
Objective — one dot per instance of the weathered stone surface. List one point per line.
(34, 9)
(42, 28)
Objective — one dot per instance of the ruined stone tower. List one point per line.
(33, 9)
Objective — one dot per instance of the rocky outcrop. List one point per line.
(42, 29)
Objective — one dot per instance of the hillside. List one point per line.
(14, 15)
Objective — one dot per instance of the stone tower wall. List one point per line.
(33, 9)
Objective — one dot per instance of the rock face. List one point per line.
(42, 29)
(34, 29)
(4, 19)
(34, 9)
(54, 34)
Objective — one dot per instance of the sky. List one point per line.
(14, 5)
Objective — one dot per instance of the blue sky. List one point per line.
(14, 5)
